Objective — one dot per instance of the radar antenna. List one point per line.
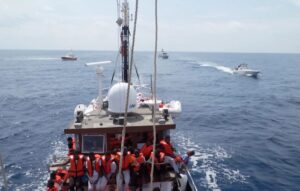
(99, 73)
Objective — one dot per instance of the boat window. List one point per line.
(93, 143)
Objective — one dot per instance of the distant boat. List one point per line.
(244, 70)
(69, 57)
(163, 54)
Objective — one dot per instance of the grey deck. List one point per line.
(103, 122)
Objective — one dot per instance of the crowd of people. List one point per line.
(100, 172)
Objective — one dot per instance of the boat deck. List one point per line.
(103, 122)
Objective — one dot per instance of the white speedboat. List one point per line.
(244, 70)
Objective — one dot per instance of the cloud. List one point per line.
(296, 2)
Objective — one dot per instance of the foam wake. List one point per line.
(209, 162)
(216, 66)
(33, 59)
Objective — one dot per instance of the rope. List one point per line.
(128, 91)
(154, 97)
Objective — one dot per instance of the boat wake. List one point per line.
(40, 175)
(216, 66)
(210, 163)
(33, 59)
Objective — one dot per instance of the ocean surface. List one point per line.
(245, 131)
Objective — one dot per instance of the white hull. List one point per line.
(253, 73)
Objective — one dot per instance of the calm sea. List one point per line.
(245, 131)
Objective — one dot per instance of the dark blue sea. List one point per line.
(245, 131)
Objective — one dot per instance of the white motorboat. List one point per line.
(163, 54)
(244, 70)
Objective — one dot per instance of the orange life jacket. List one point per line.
(127, 160)
(139, 160)
(167, 148)
(91, 167)
(76, 166)
(63, 174)
(146, 150)
(106, 166)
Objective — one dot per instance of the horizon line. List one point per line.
(179, 51)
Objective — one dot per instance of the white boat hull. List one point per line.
(253, 73)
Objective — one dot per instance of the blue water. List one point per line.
(246, 131)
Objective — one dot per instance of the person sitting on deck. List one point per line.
(59, 177)
(62, 180)
(93, 164)
(76, 170)
(168, 149)
(125, 173)
(146, 149)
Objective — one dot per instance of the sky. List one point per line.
(271, 26)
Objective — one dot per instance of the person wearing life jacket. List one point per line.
(56, 179)
(71, 145)
(146, 149)
(75, 171)
(93, 164)
(125, 173)
(138, 170)
(167, 147)
(109, 165)
(168, 150)
(64, 175)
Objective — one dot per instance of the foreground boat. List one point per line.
(244, 70)
(120, 131)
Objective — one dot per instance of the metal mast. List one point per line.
(125, 41)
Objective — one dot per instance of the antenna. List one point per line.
(99, 73)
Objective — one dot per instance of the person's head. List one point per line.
(125, 151)
(107, 155)
(167, 138)
(136, 153)
(69, 139)
(92, 156)
(190, 153)
(149, 142)
(156, 189)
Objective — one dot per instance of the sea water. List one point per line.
(245, 131)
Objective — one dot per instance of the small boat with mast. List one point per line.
(125, 120)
